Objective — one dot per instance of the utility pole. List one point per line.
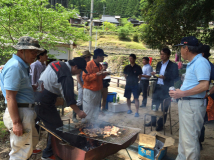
(91, 24)
(104, 8)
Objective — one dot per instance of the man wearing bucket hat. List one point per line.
(19, 116)
(93, 83)
(87, 56)
(191, 105)
(58, 81)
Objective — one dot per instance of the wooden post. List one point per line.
(118, 82)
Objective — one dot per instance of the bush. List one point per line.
(123, 33)
(136, 37)
(109, 26)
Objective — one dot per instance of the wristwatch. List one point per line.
(208, 93)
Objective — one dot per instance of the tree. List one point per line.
(33, 18)
(124, 8)
(170, 20)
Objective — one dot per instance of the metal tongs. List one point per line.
(63, 142)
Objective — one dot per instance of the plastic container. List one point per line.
(110, 98)
(117, 107)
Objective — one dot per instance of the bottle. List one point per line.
(118, 99)
(172, 89)
(114, 99)
(154, 108)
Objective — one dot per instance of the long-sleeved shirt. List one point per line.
(36, 69)
(91, 80)
(162, 71)
(146, 69)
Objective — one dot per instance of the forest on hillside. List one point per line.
(123, 8)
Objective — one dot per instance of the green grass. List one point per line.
(3, 130)
(113, 40)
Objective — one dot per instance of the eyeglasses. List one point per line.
(34, 51)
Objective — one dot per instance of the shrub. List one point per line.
(136, 37)
(123, 33)
(109, 26)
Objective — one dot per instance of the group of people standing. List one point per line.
(137, 81)
(19, 83)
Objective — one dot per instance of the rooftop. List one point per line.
(108, 18)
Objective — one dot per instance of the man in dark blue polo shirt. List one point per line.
(133, 74)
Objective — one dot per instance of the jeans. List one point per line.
(143, 87)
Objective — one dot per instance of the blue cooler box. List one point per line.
(110, 97)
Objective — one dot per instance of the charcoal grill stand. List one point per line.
(56, 140)
(128, 153)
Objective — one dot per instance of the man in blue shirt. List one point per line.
(16, 86)
(191, 105)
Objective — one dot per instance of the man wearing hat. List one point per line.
(205, 50)
(19, 116)
(93, 83)
(191, 105)
(87, 56)
(58, 81)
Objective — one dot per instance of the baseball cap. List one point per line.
(190, 41)
(99, 52)
(80, 62)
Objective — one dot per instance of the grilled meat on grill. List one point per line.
(91, 130)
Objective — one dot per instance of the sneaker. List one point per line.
(37, 151)
(142, 106)
(133, 101)
(49, 158)
(136, 115)
(129, 111)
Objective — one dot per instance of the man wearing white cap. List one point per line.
(19, 116)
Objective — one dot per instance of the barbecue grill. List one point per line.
(68, 144)
(124, 137)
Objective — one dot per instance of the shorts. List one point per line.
(131, 89)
